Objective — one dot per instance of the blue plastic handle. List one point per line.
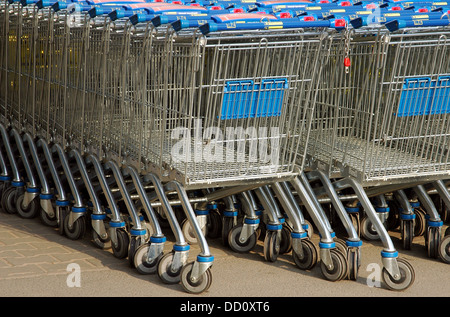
(395, 25)
(281, 24)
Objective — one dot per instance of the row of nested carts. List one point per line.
(145, 122)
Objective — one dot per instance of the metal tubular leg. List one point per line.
(426, 201)
(298, 233)
(97, 214)
(32, 190)
(251, 220)
(91, 159)
(78, 209)
(292, 210)
(62, 200)
(4, 174)
(45, 188)
(403, 200)
(298, 213)
(326, 239)
(116, 221)
(338, 205)
(382, 208)
(137, 228)
(16, 179)
(190, 214)
(314, 199)
(130, 171)
(443, 192)
(157, 239)
(161, 195)
(274, 223)
(389, 254)
(204, 259)
(29, 172)
(272, 201)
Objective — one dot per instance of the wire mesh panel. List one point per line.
(222, 110)
(387, 118)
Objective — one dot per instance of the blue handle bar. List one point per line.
(395, 25)
(276, 24)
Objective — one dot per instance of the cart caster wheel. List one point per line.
(444, 249)
(30, 211)
(356, 222)
(164, 270)
(432, 241)
(271, 246)
(120, 250)
(189, 233)
(140, 260)
(407, 231)
(240, 246)
(47, 220)
(340, 267)
(367, 230)
(101, 243)
(78, 228)
(341, 245)
(214, 224)
(135, 243)
(227, 225)
(406, 279)
(309, 259)
(286, 241)
(419, 222)
(9, 200)
(197, 287)
(353, 261)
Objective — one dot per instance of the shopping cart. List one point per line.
(382, 124)
(122, 120)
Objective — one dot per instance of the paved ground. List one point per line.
(34, 260)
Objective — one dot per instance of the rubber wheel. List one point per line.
(309, 259)
(353, 262)
(406, 279)
(341, 245)
(30, 211)
(140, 260)
(99, 242)
(271, 246)
(214, 224)
(201, 285)
(135, 243)
(286, 240)
(340, 268)
(356, 222)
(238, 246)
(78, 228)
(419, 222)
(189, 233)
(120, 250)
(407, 231)
(227, 225)
(47, 220)
(367, 229)
(164, 271)
(9, 200)
(432, 241)
(444, 249)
